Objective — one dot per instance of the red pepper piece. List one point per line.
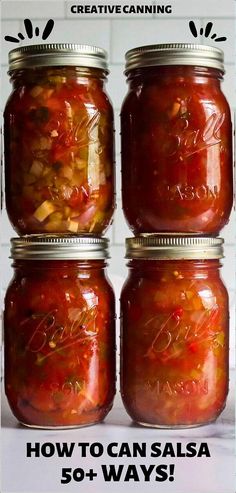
(177, 313)
(78, 197)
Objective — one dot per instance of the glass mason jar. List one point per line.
(174, 332)
(59, 332)
(176, 141)
(59, 133)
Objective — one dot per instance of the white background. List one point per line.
(117, 34)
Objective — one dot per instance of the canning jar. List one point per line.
(176, 141)
(174, 339)
(59, 332)
(59, 141)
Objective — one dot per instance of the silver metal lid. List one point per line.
(57, 54)
(53, 247)
(175, 54)
(162, 247)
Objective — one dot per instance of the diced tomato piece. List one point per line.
(79, 197)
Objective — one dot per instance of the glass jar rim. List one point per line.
(174, 247)
(55, 247)
(174, 54)
(58, 54)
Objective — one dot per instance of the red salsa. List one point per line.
(176, 145)
(59, 342)
(174, 342)
(59, 149)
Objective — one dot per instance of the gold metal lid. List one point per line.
(53, 247)
(175, 54)
(162, 247)
(57, 54)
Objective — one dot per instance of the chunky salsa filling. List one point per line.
(59, 153)
(176, 151)
(60, 346)
(174, 345)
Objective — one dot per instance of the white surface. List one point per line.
(192, 475)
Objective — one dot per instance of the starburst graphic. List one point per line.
(30, 31)
(207, 32)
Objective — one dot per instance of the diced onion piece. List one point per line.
(80, 163)
(66, 192)
(189, 295)
(36, 91)
(56, 217)
(91, 228)
(93, 175)
(72, 226)
(88, 215)
(102, 178)
(36, 168)
(93, 159)
(67, 211)
(46, 171)
(197, 303)
(220, 339)
(174, 110)
(45, 143)
(68, 110)
(67, 172)
(41, 144)
(44, 210)
(54, 133)
(209, 302)
(83, 152)
(77, 179)
(48, 93)
(88, 396)
(76, 314)
(98, 219)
